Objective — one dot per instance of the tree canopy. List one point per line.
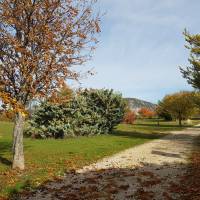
(40, 41)
(179, 105)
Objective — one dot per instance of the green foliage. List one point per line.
(90, 112)
(109, 105)
(84, 119)
(192, 72)
(162, 112)
(196, 99)
(49, 120)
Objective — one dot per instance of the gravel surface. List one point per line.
(145, 172)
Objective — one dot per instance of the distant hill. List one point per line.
(136, 104)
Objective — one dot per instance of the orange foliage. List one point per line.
(62, 96)
(40, 42)
(146, 113)
(129, 117)
(7, 115)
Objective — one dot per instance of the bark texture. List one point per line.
(18, 151)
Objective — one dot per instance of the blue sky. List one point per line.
(141, 47)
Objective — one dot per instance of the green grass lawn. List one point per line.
(47, 159)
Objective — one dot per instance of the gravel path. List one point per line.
(145, 172)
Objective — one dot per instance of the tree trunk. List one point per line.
(180, 121)
(18, 152)
(158, 122)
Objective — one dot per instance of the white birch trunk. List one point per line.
(18, 149)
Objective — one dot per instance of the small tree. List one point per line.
(192, 72)
(180, 105)
(40, 41)
(129, 117)
(161, 112)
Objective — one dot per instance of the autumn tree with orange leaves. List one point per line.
(62, 96)
(40, 42)
(146, 113)
(129, 117)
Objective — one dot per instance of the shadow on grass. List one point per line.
(5, 161)
(4, 148)
(138, 135)
(183, 135)
(165, 125)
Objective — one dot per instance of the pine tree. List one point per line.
(192, 72)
